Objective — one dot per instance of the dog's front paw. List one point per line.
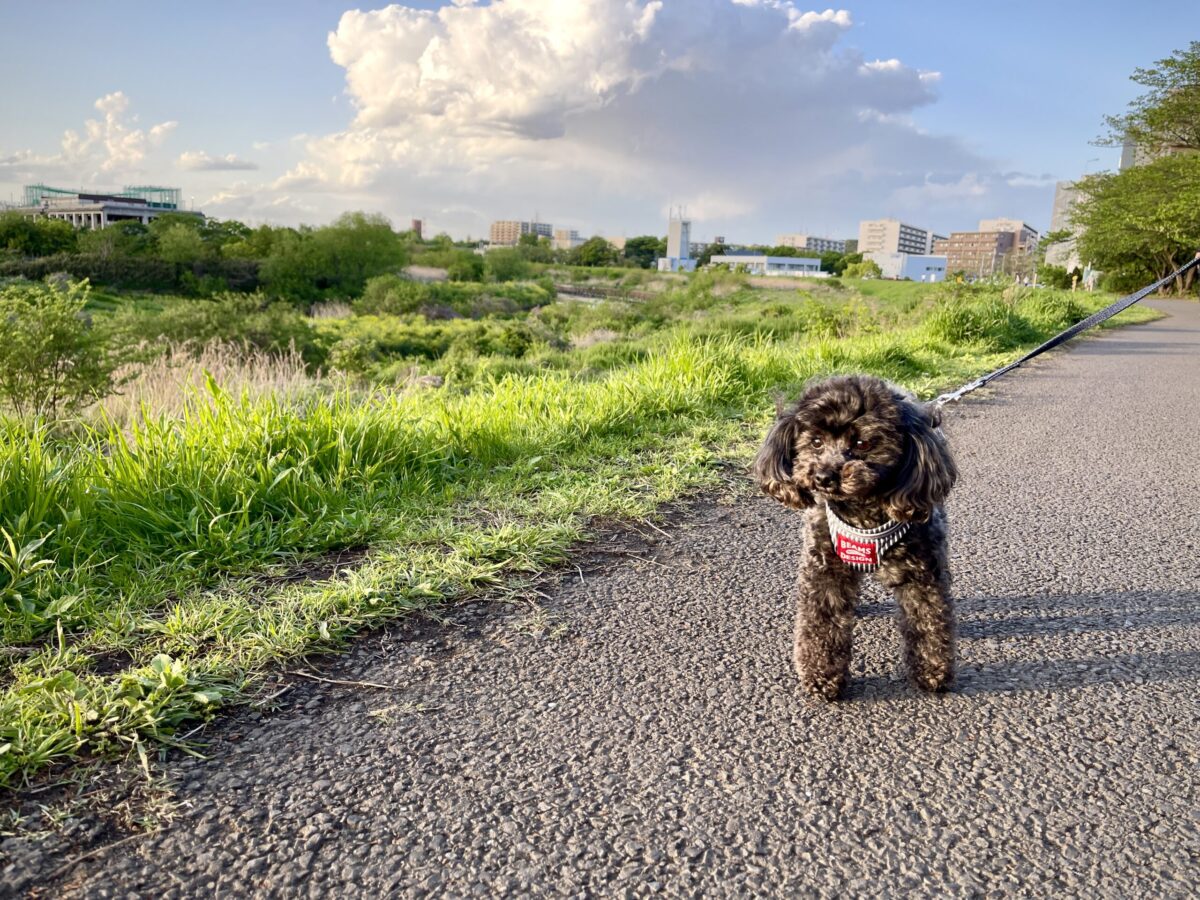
(827, 688)
(933, 679)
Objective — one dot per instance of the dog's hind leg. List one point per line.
(827, 591)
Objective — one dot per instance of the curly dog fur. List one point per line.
(872, 452)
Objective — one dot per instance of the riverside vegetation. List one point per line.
(164, 546)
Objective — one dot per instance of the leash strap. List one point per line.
(1091, 321)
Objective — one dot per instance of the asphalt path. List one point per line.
(642, 731)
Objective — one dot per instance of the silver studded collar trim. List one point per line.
(863, 548)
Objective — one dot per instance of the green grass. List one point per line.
(142, 575)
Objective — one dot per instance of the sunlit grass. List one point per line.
(162, 540)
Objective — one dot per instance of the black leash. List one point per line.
(1094, 319)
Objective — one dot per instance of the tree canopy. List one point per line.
(645, 250)
(1143, 220)
(595, 251)
(35, 237)
(1167, 117)
(335, 260)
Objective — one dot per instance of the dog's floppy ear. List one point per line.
(773, 466)
(928, 471)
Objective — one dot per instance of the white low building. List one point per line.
(909, 266)
(799, 266)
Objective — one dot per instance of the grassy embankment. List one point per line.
(144, 566)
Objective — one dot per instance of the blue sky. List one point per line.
(596, 113)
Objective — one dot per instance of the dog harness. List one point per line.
(863, 548)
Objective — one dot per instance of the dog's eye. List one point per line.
(817, 442)
(862, 446)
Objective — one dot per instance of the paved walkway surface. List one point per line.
(654, 739)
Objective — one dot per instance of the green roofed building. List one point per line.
(94, 209)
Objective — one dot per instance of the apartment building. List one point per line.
(1025, 237)
(976, 253)
(507, 232)
(808, 242)
(566, 239)
(893, 236)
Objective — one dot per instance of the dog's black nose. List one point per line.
(825, 479)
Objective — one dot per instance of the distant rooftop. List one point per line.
(153, 196)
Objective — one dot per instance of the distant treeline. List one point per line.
(184, 254)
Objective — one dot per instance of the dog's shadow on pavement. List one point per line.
(1088, 639)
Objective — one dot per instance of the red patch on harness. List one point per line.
(851, 551)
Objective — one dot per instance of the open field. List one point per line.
(153, 566)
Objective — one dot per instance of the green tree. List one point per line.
(181, 244)
(51, 361)
(307, 264)
(645, 250)
(465, 265)
(1167, 117)
(704, 257)
(128, 238)
(506, 264)
(293, 270)
(217, 233)
(255, 244)
(24, 236)
(1144, 220)
(594, 251)
(866, 268)
(358, 246)
(169, 221)
(832, 261)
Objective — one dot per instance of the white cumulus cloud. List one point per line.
(599, 113)
(118, 144)
(199, 161)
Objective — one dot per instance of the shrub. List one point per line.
(1054, 276)
(396, 296)
(251, 319)
(969, 316)
(1049, 310)
(140, 273)
(866, 268)
(35, 237)
(1125, 280)
(506, 264)
(465, 265)
(355, 354)
(52, 362)
(336, 260)
(392, 295)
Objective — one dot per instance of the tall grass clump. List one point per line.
(181, 375)
(972, 316)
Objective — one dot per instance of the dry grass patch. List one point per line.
(172, 383)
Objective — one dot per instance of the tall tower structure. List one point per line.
(679, 237)
(679, 245)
